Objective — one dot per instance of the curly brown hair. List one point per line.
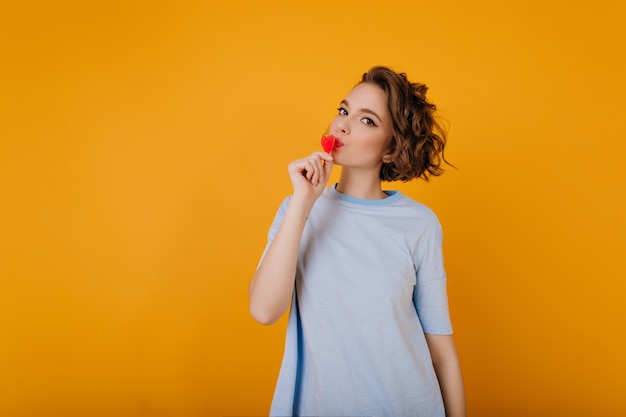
(418, 141)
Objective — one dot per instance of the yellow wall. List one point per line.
(143, 151)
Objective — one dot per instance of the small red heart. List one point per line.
(328, 143)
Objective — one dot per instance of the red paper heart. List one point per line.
(328, 143)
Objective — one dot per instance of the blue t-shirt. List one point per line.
(369, 283)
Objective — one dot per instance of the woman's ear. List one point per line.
(387, 158)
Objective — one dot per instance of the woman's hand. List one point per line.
(309, 175)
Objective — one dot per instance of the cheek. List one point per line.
(386, 139)
(379, 142)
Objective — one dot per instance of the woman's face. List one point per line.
(363, 127)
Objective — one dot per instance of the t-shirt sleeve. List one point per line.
(278, 219)
(430, 296)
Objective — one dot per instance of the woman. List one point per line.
(369, 332)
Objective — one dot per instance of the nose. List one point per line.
(343, 126)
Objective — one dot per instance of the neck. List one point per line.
(358, 184)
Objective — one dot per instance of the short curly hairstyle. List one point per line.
(418, 139)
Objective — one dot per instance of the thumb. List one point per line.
(328, 167)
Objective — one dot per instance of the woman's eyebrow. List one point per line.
(364, 110)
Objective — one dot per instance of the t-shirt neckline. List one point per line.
(392, 197)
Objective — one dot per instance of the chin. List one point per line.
(337, 161)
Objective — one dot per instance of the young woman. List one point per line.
(369, 332)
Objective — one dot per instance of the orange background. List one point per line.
(143, 152)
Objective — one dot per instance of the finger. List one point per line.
(311, 164)
(308, 170)
(319, 171)
(328, 167)
(298, 166)
(312, 168)
(323, 156)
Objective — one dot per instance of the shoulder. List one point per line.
(417, 210)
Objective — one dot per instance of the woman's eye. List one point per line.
(342, 111)
(369, 121)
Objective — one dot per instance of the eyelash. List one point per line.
(344, 112)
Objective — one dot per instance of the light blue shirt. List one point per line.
(370, 282)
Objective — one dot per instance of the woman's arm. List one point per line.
(448, 369)
(272, 285)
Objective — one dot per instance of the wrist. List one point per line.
(301, 204)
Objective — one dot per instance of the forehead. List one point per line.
(369, 96)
